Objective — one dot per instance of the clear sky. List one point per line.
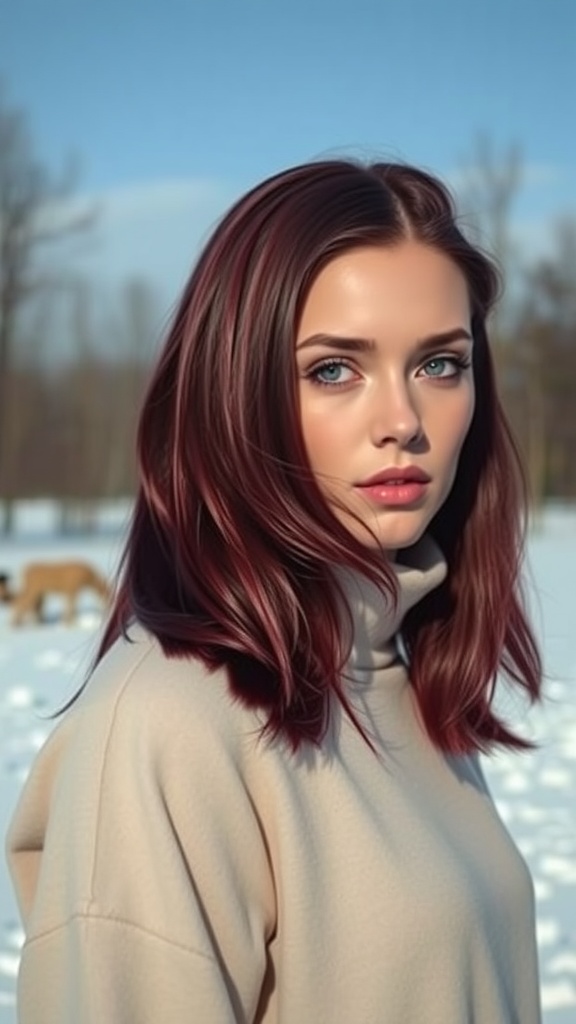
(174, 107)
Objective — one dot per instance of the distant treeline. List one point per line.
(72, 432)
(536, 365)
(72, 427)
(67, 429)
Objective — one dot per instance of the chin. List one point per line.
(399, 540)
(391, 536)
(388, 529)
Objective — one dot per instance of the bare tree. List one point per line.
(545, 350)
(96, 397)
(134, 330)
(490, 184)
(33, 214)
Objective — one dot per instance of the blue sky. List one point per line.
(174, 108)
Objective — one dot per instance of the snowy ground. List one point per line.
(40, 666)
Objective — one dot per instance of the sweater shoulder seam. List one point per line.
(98, 917)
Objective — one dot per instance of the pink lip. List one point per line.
(406, 492)
(397, 475)
(396, 486)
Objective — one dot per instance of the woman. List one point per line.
(267, 803)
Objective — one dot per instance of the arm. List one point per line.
(95, 969)
(140, 863)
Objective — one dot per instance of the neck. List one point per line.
(374, 615)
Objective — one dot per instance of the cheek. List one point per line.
(323, 438)
(468, 412)
(457, 426)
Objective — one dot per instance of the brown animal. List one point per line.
(5, 592)
(67, 578)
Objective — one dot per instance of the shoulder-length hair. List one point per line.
(232, 545)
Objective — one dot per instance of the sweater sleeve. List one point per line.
(98, 969)
(141, 864)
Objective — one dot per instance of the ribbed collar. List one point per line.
(376, 621)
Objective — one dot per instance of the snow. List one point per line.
(41, 666)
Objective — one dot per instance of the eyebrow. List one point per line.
(335, 341)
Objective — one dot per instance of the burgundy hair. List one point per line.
(232, 545)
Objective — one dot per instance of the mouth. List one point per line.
(396, 477)
(395, 487)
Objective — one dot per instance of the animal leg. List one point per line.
(38, 607)
(25, 602)
(70, 613)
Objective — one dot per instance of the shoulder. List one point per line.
(144, 720)
(152, 763)
(143, 699)
(145, 728)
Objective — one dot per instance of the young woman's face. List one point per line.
(384, 353)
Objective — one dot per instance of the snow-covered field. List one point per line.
(42, 665)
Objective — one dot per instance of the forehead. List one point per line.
(408, 289)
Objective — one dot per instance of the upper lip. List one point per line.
(404, 473)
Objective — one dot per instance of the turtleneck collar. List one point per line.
(419, 569)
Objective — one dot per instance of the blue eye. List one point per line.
(437, 367)
(444, 366)
(332, 372)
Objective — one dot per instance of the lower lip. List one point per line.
(395, 494)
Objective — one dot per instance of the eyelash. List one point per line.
(460, 363)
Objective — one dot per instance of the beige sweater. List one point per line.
(172, 868)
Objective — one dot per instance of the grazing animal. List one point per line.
(5, 592)
(39, 579)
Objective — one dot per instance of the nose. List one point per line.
(395, 416)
